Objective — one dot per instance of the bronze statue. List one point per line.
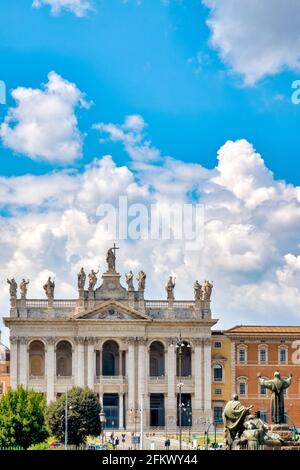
(234, 416)
(277, 386)
(81, 276)
(256, 433)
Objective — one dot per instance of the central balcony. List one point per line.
(111, 379)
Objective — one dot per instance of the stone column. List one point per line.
(80, 361)
(50, 369)
(121, 415)
(13, 362)
(171, 415)
(142, 379)
(197, 404)
(131, 379)
(91, 362)
(207, 378)
(23, 361)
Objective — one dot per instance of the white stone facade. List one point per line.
(121, 346)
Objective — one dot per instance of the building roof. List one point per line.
(263, 330)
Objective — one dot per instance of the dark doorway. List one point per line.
(157, 410)
(186, 410)
(111, 410)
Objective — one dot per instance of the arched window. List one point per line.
(217, 373)
(184, 359)
(110, 358)
(37, 359)
(64, 359)
(157, 359)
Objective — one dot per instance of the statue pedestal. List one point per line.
(286, 435)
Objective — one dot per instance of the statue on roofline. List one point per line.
(92, 279)
(49, 288)
(170, 288)
(13, 286)
(129, 280)
(142, 280)
(23, 288)
(81, 276)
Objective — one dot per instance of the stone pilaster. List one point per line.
(50, 369)
(131, 378)
(13, 362)
(142, 379)
(80, 361)
(171, 397)
(121, 410)
(207, 377)
(91, 362)
(232, 367)
(23, 360)
(198, 365)
(91, 298)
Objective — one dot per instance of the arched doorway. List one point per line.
(64, 359)
(110, 358)
(157, 359)
(37, 359)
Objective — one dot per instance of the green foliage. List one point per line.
(83, 416)
(22, 420)
(41, 446)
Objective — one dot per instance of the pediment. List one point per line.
(111, 311)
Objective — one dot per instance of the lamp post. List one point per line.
(66, 420)
(102, 418)
(135, 414)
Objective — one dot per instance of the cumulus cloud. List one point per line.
(256, 38)
(251, 245)
(43, 124)
(79, 7)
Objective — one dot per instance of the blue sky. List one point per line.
(132, 58)
(161, 101)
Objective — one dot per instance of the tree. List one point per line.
(22, 421)
(83, 416)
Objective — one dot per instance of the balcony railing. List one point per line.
(41, 303)
(164, 304)
(110, 379)
(157, 379)
(64, 380)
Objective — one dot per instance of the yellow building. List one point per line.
(221, 373)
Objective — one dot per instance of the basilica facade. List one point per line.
(149, 358)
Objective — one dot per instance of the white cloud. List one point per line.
(132, 134)
(78, 7)
(256, 38)
(43, 125)
(252, 224)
